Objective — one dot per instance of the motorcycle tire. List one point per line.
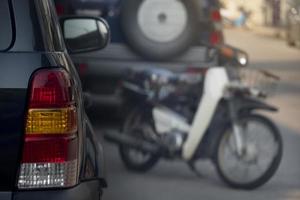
(160, 30)
(270, 170)
(128, 160)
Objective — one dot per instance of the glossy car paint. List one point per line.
(36, 44)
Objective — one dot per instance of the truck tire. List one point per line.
(160, 30)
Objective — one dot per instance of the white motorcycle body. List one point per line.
(167, 120)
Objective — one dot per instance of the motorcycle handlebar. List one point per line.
(236, 87)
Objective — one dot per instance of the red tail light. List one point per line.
(216, 16)
(50, 149)
(216, 38)
(50, 88)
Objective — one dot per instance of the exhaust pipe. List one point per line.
(132, 142)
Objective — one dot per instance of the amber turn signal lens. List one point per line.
(51, 121)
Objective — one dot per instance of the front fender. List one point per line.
(250, 104)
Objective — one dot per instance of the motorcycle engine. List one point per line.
(174, 140)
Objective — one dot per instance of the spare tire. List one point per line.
(159, 29)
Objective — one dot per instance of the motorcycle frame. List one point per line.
(204, 124)
(215, 83)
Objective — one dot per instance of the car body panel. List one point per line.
(5, 195)
(37, 44)
(85, 191)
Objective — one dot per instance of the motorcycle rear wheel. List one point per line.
(133, 159)
(236, 174)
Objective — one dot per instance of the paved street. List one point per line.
(173, 180)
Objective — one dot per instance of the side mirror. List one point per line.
(84, 34)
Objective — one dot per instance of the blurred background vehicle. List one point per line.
(48, 148)
(166, 121)
(111, 10)
(293, 23)
(132, 46)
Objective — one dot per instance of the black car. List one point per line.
(293, 22)
(48, 148)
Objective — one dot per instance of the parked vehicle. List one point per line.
(48, 146)
(293, 22)
(220, 123)
(101, 72)
(116, 13)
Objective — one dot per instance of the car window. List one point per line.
(5, 25)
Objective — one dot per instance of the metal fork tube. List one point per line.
(235, 126)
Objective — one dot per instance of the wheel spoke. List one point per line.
(261, 149)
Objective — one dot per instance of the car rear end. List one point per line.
(211, 24)
(44, 129)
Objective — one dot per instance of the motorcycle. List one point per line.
(218, 123)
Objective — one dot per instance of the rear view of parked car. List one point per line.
(176, 34)
(293, 22)
(172, 26)
(47, 145)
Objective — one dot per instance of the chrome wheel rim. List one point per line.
(260, 150)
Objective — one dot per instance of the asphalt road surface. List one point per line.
(174, 181)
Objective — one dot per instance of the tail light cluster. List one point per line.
(216, 36)
(50, 151)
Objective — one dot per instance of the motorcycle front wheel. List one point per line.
(135, 160)
(260, 157)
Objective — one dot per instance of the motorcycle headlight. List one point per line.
(242, 58)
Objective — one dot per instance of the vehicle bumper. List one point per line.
(90, 190)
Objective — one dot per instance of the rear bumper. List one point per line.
(84, 191)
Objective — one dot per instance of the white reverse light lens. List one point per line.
(47, 175)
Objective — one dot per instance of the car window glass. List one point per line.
(5, 25)
(75, 30)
